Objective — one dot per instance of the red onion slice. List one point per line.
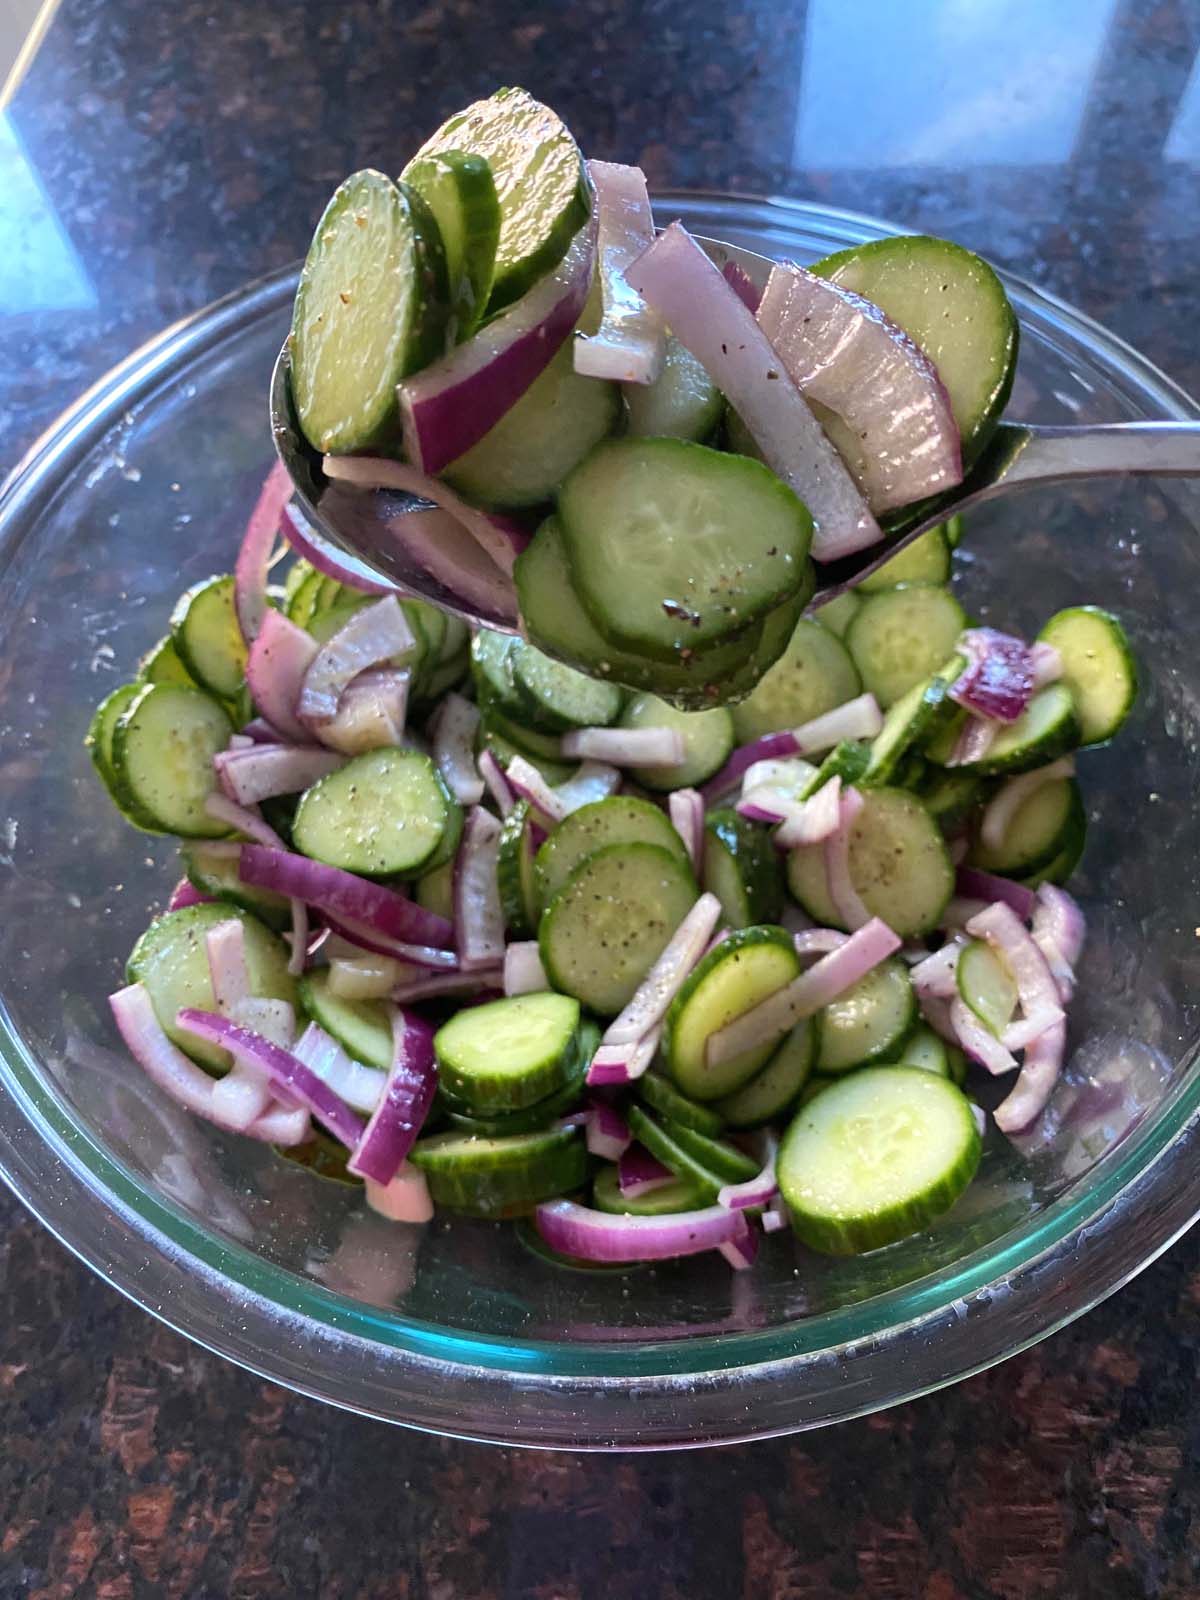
(624, 1063)
(979, 1042)
(362, 977)
(842, 892)
(608, 1134)
(1011, 796)
(279, 658)
(428, 957)
(997, 681)
(628, 346)
(523, 970)
(707, 316)
(976, 885)
(254, 555)
(497, 784)
(225, 946)
(524, 779)
(1059, 930)
(1015, 947)
(404, 1199)
(328, 559)
(449, 406)
(626, 747)
(259, 731)
(591, 780)
(1046, 663)
(859, 718)
(831, 976)
(667, 976)
(818, 941)
(186, 894)
(417, 985)
(478, 918)
(576, 1230)
(743, 285)
(742, 1253)
(361, 1087)
(1039, 1073)
(685, 807)
(843, 353)
(976, 738)
(756, 1191)
(370, 637)
(248, 820)
(370, 714)
(452, 734)
(638, 1172)
(343, 894)
(814, 820)
(267, 770)
(937, 975)
(407, 1096)
(451, 554)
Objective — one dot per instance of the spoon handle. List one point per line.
(1048, 455)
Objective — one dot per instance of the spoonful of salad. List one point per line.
(504, 393)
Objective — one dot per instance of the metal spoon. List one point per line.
(356, 520)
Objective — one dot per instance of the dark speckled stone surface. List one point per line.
(157, 156)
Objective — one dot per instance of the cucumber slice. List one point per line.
(447, 846)
(163, 744)
(542, 748)
(987, 986)
(503, 1177)
(494, 736)
(515, 878)
(848, 760)
(456, 640)
(808, 884)
(444, 678)
(1063, 864)
(99, 745)
(1043, 827)
(492, 658)
(665, 1147)
(953, 305)
(925, 1049)
(331, 619)
(837, 614)
(876, 1157)
(162, 664)
(682, 403)
(898, 862)
(371, 308)
(208, 637)
(776, 1086)
(508, 1054)
(1099, 668)
(954, 528)
(1046, 729)
(434, 891)
(814, 674)
(363, 1028)
(302, 593)
(677, 1109)
(557, 698)
(925, 560)
(540, 181)
(540, 439)
(949, 795)
(870, 1022)
(217, 876)
(621, 819)
(611, 920)
(707, 741)
(680, 1195)
(731, 979)
(723, 1160)
(908, 722)
(384, 813)
(741, 868)
(902, 636)
(171, 960)
(460, 192)
(673, 546)
(542, 1112)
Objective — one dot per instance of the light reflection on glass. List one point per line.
(40, 269)
(1183, 141)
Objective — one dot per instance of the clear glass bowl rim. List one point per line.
(614, 1395)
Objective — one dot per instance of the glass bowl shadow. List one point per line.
(459, 1328)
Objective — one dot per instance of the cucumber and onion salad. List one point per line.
(505, 925)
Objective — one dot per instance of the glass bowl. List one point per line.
(459, 1328)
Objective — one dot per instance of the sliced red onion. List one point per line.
(452, 733)
(777, 1216)
(1019, 1035)
(978, 1041)
(624, 1063)
(361, 1087)
(638, 1172)
(239, 742)
(281, 1066)
(417, 985)
(831, 976)
(452, 555)
(404, 1199)
(591, 780)
(478, 918)
(497, 784)
(667, 976)
(1046, 663)
(859, 718)
(936, 1012)
(404, 1105)
(225, 945)
(843, 353)
(792, 920)
(997, 681)
(937, 975)
(185, 893)
(370, 637)
(1059, 930)
(329, 559)
(818, 941)
(243, 1094)
(842, 892)
(707, 316)
(279, 658)
(756, 1191)
(186, 1083)
(576, 1230)
(370, 713)
(626, 747)
(266, 770)
(628, 345)
(608, 1134)
(814, 820)
(1014, 945)
(523, 970)
(960, 909)
(975, 739)
(363, 977)
(787, 776)
(1039, 1073)
(524, 779)
(685, 807)
(449, 406)
(259, 731)
(743, 285)
(976, 885)
(343, 895)
(254, 556)
(1011, 796)
(427, 957)
(248, 820)
(742, 1253)
(764, 805)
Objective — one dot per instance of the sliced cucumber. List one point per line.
(447, 846)
(664, 1146)
(870, 1022)
(717, 1156)
(503, 1177)
(208, 637)
(1099, 668)
(775, 1087)
(492, 660)
(543, 749)
(163, 744)
(673, 546)
(707, 741)
(949, 795)
(925, 560)
(434, 891)
(876, 1157)
(508, 1054)
(679, 1195)
(171, 960)
(500, 1124)
(217, 876)
(814, 674)
(1063, 864)
(460, 192)
(954, 306)
(954, 529)
(621, 819)
(731, 979)
(162, 664)
(899, 865)
(908, 722)
(741, 868)
(371, 308)
(363, 1028)
(99, 745)
(556, 697)
(384, 813)
(1046, 729)
(987, 986)
(493, 736)
(902, 636)
(808, 883)
(1044, 825)
(682, 403)
(925, 1049)
(848, 760)
(837, 614)
(519, 899)
(677, 1109)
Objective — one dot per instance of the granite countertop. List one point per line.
(155, 157)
